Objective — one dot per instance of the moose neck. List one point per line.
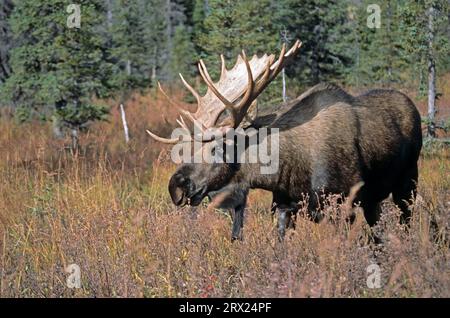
(280, 166)
(261, 163)
(250, 174)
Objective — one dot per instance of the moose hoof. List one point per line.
(281, 235)
(237, 238)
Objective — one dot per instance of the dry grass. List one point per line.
(108, 211)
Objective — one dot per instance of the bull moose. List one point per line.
(329, 141)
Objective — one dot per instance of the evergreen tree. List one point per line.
(6, 7)
(174, 15)
(232, 26)
(154, 38)
(322, 26)
(183, 57)
(129, 52)
(377, 52)
(425, 24)
(200, 11)
(58, 69)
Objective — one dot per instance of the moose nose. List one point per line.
(176, 193)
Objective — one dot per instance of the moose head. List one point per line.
(227, 104)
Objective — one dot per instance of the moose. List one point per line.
(329, 141)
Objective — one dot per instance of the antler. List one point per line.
(234, 92)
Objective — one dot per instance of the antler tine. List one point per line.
(205, 75)
(272, 70)
(278, 65)
(261, 84)
(228, 105)
(167, 96)
(244, 103)
(163, 140)
(196, 123)
(171, 100)
(223, 69)
(183, 124)
(294, 48)
(190, 88)
(193, 120)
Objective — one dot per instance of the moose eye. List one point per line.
(181, 181)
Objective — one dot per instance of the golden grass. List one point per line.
(108, 211)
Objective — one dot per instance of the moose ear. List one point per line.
(176, 192)
(251, 115)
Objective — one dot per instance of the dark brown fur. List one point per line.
(329, 141)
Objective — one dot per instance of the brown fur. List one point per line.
(329, 141)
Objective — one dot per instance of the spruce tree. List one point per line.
(232, 26)
(323, 26)
(200, 11)
(58, 69)
(377, 52)
(129, 52)
(6, 7)
(425, 24)
(183, 57)
(154, 38)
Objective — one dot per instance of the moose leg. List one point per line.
(286, 209)
(405, 193)
(372, 213)
(238, 223)
(283, 221)
(286, 220)
(314, 207)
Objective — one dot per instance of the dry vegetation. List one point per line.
(107, 210)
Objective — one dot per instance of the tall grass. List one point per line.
(107, 210)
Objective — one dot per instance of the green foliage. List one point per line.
(414, 19)
(57, 68)
(48, 69)
(79, 116)
(432, 146)
(323, 28)
(183, 55)
(198, 17)
(379, 52)
(132, 42)
(6, 43)
(22, 114)
(233, 26)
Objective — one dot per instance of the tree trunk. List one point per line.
(124, 123)
(109, 15)
(153, 76)
(431, 98)
(315, 71)
(154, 63)
(74, 132)
(74, 136)
(284, 39)
(56, 127)
(391, 54)
(431, 129)
(207, 9)
(128, 68)
(169, 25)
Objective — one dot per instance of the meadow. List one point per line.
(106, 208)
